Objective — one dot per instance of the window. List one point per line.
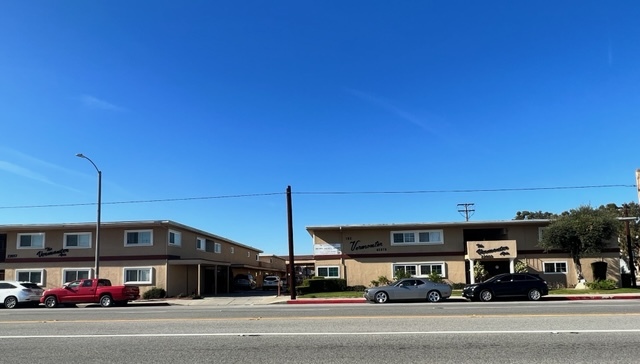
(31, 241)
(409, 269)
(248, 254)
(217, 248)
(540, 232)
(77, 240)
(200, 244)
(34, 276)
(555, 267)
(423, 269)
(328, 272)
(416, 237)
(175, 238)
(233, 250)
(257, 257)
(69, 275)
(138, 275)
(426, 269)
(138, 237)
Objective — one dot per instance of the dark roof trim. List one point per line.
(463, 224)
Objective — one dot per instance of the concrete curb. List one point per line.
(303, 301)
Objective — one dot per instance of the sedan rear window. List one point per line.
(30, 285)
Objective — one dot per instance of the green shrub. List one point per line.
(458, 285)
(400, 273)
(605, 284)
(521, 267)
(322, 285)
(435, 277)
(154, 292)
(357, 288)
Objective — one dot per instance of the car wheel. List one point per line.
(10, 302)
(106, 301)
(434, 296)
(486, 296)
(51, 302)
(381, 297)
(534, 294)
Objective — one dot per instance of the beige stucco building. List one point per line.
(362, 253)
(181, 259)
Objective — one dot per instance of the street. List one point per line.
(448, 332)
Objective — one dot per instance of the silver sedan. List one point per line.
(409, 289)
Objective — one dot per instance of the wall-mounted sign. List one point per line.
(327, 249)
(357, 245)
(492, 249)
(47, 252)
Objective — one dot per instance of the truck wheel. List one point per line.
(51, 302)
(106, 301)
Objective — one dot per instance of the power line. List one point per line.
(461, 191)
(319, 193)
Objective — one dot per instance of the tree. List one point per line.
(631, 209)
(533, 215)
(580, 231)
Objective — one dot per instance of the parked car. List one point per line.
(15, 293)
(90, 291)
(271, 282)
(409, 289)
(507, 285)
(244, 281)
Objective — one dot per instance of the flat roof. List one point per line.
(133, 223)
(430, 224)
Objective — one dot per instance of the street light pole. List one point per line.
(97, 257)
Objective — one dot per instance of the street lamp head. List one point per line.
(80, 155)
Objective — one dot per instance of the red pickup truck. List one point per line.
(90, 291)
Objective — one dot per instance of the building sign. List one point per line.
(357, 245)
(327, 249)
(49, 252)
(493, 249)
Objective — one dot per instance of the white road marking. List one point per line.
(471, 332)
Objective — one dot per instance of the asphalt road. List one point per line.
(500, 332)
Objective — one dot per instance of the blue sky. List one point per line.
(211, 109)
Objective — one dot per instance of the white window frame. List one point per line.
(555, 265)
(66, 246)
(257, 257)
(124, 275)
(127, 244)
(217, 248)
(233, 250)
(418, 266)
(328, 268)
(175, 234)
(65, 270)
(248, 254)
(540, 232)
(31, 246)
(201, 244)
(41, 271)
(407, 235)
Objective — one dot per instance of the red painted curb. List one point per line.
(322, 300)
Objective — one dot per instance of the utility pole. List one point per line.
(632, 267)
(292, 265)
(466, 208)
